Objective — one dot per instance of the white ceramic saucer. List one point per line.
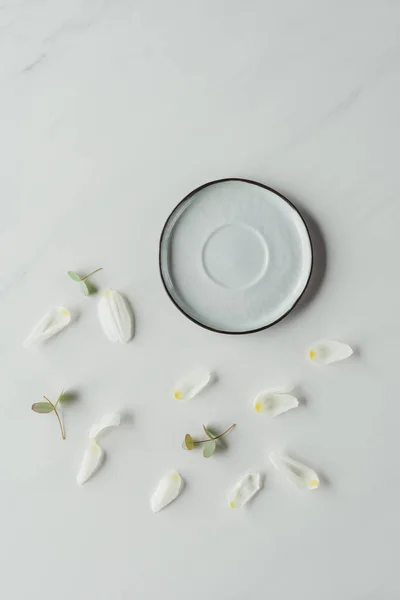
(235, 256)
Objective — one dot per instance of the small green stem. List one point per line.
(58, 417)
(92, 273)
(217, 436)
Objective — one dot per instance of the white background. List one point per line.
(111, 112)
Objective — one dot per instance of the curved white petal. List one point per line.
(244, 490)
(302, 476)
(94, 454)
(191, 384)
(274, 403)
(116, 316)
(92, 460)
(53, 322)
(329, 351)
(109, 420)
(169, 488)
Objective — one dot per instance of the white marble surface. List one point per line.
(110, 113)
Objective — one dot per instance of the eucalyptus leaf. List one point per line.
(67, 396)
(87, 287)
(189, 442)
(42, 407)
(84, 288)
(208, 432)
(74, 276)
(60, 398)
(209, 448)
(92, 289)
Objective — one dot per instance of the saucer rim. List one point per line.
(185, 199)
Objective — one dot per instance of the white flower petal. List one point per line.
(302, 476)
(274, 403)
(94, 454)
(109, 420)
(115, 316)
(169, 488)
(53, 322)
(244, 490)
(92, 460)
(329, 351)
(191, 384)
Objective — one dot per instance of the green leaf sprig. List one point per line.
(48, 407)
(210, 443)
(86, 286)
